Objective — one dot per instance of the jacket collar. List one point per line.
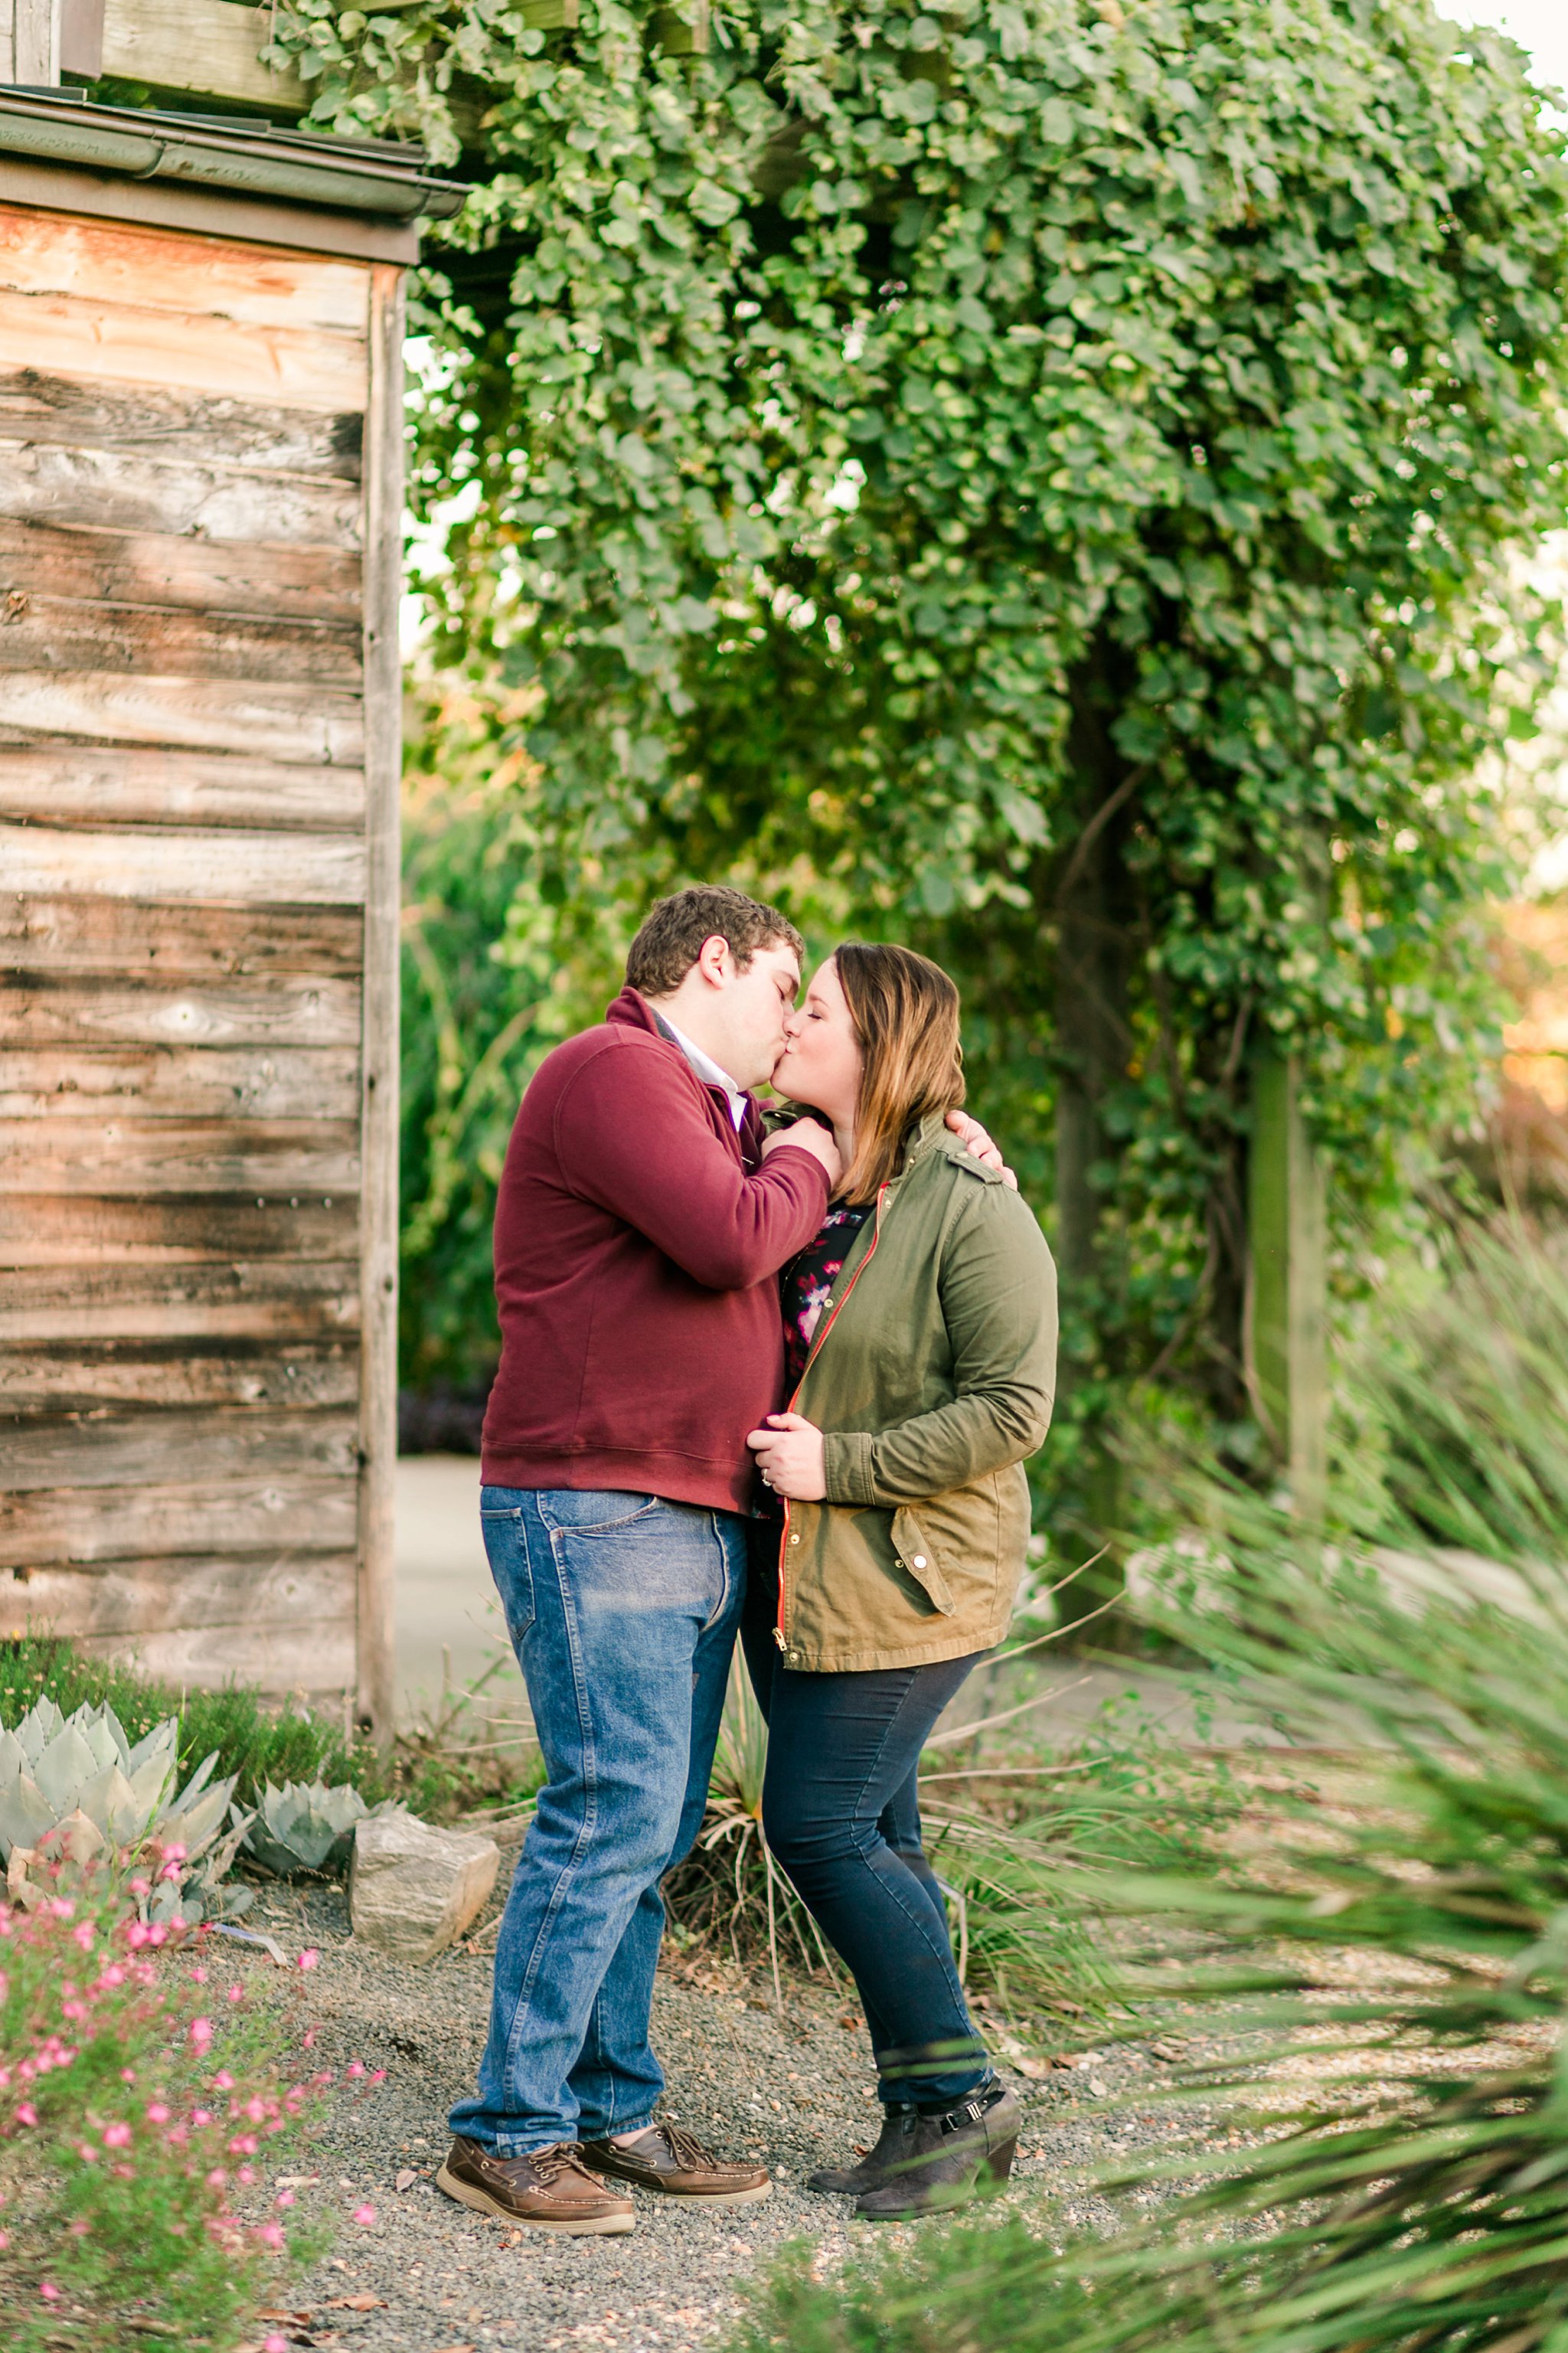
(632, 1011)
(934, 1136)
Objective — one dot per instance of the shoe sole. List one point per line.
(596, 2226)
(702, 2197)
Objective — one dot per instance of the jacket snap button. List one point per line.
(795, 1539)
(919, 1560)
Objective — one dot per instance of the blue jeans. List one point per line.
(622, 1610)
(841, 1810)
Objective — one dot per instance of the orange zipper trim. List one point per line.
(779, 1635)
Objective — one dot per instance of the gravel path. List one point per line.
(428, 2276)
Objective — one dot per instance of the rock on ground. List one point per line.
(414, 1890)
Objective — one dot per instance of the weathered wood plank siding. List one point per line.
(185, 867)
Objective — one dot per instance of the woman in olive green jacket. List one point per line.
(921, 1331)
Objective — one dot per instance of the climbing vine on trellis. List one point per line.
(916, 458)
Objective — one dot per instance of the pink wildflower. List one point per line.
(236, 1993)
(364, 2216)
(83, 1935)
(201, 2115)
(354, 2067)
(275, 2344)
(26, 2113)
(284, 2198)
(222, 2081)
(48, 2291)
(247, 2174)
(217, 2179)
(378, 2075)
(117, 2135)
(157, 2114)
(198, 1976)
(201, 2032)
(308, 1957)
(270, 2235)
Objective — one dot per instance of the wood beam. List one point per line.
(30, 43)
(1287, 1318)
(378, 1199)
(212, 48)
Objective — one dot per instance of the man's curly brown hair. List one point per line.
(670, 940)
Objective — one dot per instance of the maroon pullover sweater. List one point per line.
(637, 1245)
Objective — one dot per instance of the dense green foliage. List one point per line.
(1043, 479)
(1406, 2185)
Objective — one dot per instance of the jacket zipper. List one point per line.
(779, 1635)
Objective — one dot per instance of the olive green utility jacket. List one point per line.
(932, 1374)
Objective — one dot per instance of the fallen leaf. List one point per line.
(1032, 2068)
(1166, 2050)
(362, 2303)
(454, 2349)
(405, 2179)
(1097, 2087)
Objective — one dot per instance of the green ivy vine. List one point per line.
(1017, 474)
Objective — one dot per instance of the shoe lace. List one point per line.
(687, 2150)
(549, 2163)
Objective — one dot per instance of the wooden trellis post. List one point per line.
(1285, 1336)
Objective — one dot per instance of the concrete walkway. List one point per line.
(449, 1626)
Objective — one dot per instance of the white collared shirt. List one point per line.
(708, 1071)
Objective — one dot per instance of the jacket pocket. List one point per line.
(917, 1556)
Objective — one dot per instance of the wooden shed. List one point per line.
(201, 376)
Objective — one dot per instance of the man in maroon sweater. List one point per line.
(641, 1223)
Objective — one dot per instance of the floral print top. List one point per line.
(808, 1278)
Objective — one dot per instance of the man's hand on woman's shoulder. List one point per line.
(970, 1132)
(809, 1136)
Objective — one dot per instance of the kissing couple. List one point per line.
(773, 1376)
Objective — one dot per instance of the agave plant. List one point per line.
(305, 1827)
(73, 1786)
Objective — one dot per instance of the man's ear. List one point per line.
(712, 960)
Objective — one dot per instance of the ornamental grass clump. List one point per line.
(146, 2103)
(1381, 1961)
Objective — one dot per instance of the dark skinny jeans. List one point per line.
(841, 1811)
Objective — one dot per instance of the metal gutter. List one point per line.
(364, 175)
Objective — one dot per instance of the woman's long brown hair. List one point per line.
(905, 1011)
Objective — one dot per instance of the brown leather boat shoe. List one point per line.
(677, 2165)
(548, 2189)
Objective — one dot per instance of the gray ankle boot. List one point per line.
(942, 2161)
(877, 2164)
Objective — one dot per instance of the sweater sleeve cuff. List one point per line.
(801, 1154)
(847, 1470)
